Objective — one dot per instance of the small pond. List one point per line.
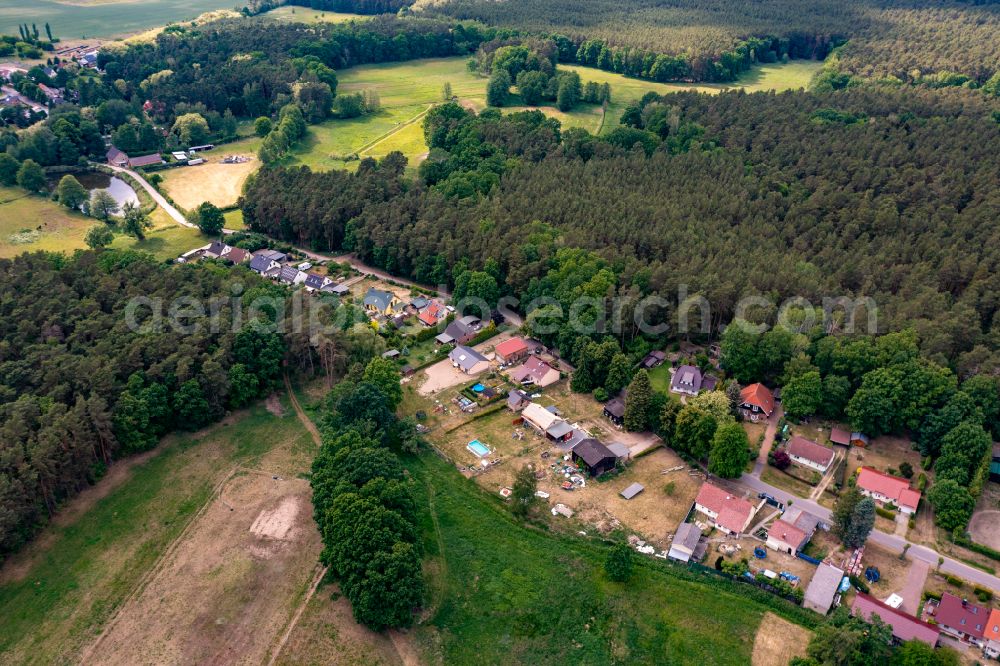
(95, 180)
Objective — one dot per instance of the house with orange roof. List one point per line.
(727, 512)
(511, 351)
(432, 313)
(991, 634)
(885, 488)
(756, 402)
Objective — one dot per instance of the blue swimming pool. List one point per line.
(478, 388)
(478, 448)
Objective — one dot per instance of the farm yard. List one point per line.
(214, 181)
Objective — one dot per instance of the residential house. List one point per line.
(53, 96)
(290, 275)
(534, 372)
(822, 589)
(905, 627)
(432, 313)
(117, 158)
(790, 533)
(614, 409)
(517, 400)
(316, 282)
(840, 436)
(594, 456)
(756, 402)
(686, 380)
(236, 255)
(380, 302)
(992, 635)
(538, 417)
(961, 619)
(145, 160)
(685, 543)
(653, 359)
(468, 360)
(809, 454)
(885, 489)
(460, 331)
(729, 513)
(511, 351)
(215, 250)
(559, 431)
(88, 60)
(263, 261)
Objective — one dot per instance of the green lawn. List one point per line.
(165, 240)
(290, 14)
(87, 567)
(234, 220)
(504, 593)
(659, 378)
(30, 222)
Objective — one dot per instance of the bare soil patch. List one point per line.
(985, 528)
(274, 405)
(226, 591)
(778, 641)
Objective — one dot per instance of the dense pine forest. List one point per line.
(80, 387)
(905, 39)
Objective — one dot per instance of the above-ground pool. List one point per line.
(478, 388)
(478, 448)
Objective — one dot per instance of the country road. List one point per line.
(157, 197)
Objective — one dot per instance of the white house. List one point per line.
(809, 454)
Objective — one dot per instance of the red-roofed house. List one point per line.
(145, 160)
(756, 402)
(884, 488)
(961, 619)
(810, 454)
(512, 350)
(729, 513)
(432, 314)
(840, 436)
(535, 372)
(904, 627)
(786, 538)
(992, 635)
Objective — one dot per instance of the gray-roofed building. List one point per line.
(291, 275)
(314, 282)
(265, 260)
(685, 542)
(517, 400)
(559, 431)
(653, 359)
(379, 301)
(419, 303)
(468, 360)
(620, 450)
(215, 250)
(632, 491)
(823, 588)
(460, 331)
(686, 380)
(596, 457)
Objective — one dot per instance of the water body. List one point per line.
(100, 18)
(95, 180)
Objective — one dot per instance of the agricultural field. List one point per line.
(150, 528)
(290, 14)
(213, 181)
(81, 19)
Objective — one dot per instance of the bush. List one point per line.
(859, 584)
(906, 469)
(983, 594)
(669, 489)
(779, 459)
(600, 394)
(955, 580)
(885, 513)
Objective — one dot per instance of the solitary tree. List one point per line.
(637, 402)
(210, 219)
(844, 511)
(523, 492)
(135, 221)
(862, 522)
(618, 564)
(262, 126)
(31, 177)
(98, 236)
(498, 89)
(103, 205)
(446, 93)
(70, 192)
(730, 451)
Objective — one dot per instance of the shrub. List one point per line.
(906, 469)
(983, 594)
(955, 580)
(669, 488)
(779, 459)
(859, 584)
(600, 394)
(885, 513)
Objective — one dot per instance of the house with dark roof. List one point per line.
(653, 359)
(145, 160)
(235, 255)
(727, 512)
(685, 542)
(290, 275)
(905, 627)
(686, 380)
(534, 372)
(756, 402)
(559, 431)
(614, 409)
(117, 157)
(886, 489)
(468, 360)
(460, 331)
(962, 619)
(263, 261)
(380, 302)
(809, 454)
(822, 590)
(517, 400)
(594, 456)
(315, 282)
(215, 250)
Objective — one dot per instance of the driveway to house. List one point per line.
(157, 197)
(817, 492)
(443, 374)
(769, 434)
(913, 588)
(890, 542)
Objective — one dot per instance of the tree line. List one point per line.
(79, 389)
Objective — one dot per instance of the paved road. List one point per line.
(157, 197)
(890, 542)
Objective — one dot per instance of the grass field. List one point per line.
(213, 181)
(290, 14)
(103, 18)
(165, 240)
(58, 593)
(31, 222)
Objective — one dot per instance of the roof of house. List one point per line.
(419, 302)
(271, 254)
(145, 160)
(687, 535)
(538, 415)
(314, 281)
(237, 255)
(469, 320)
(961, 615)
(840, 436)
(992, 631)
(800, 447)
(592, 451)
(379, 298)
(803, 520)
(823, 586)
(905, 627)
(288, 274)
(457, 329)
(732, 512)
(431, 313)
(216, 248)
(633, 490)
(615, 407)
(114, 155)
(686, 378)
(534, 368)
(512, 346)
(758, 395)
(559, 429)
(465, 357)
(788, 533)
(893, 487)
(260, 263)
(516, 398)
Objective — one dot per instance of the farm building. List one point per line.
(728, 513)
(597, 458)
(686, 380)
(684, 546)
(145, 160)
(468, 360)
(614, 409)
(823, 588)
(511, 351)
(756, 402)
(809, 454)
(117, 158)
(905, 627)
(886, 489)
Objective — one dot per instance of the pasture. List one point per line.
(213, 181)
(291, 14)
(124, 539)
(30, 222)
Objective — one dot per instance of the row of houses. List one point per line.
(268, 263)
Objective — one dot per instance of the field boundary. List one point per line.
(377, 140)
(297, 615)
